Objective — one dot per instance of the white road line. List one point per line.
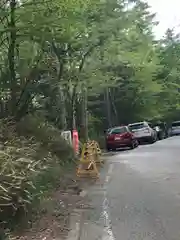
(108, 234)
(110, 170)
(107, 178)
(125, 161)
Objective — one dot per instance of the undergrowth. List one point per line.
(32, 157)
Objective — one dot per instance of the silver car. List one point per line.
(174, 129)
(143, 131)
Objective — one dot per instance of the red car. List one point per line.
(119, 137)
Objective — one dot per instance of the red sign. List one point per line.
(75, 141)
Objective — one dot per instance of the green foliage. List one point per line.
(29, 165)
(62, 47)
(35, 127)
(168, 75)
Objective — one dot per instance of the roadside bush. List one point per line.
(49, 136)
(31, 158)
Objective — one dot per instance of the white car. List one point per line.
(143, 131)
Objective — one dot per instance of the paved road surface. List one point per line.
(138, 196)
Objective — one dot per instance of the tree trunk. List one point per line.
(84, 114)
(60, 70)
(115, 115)
(108, 108)
(11, 56)
(62, 98)
(63, 110)
(73, 116)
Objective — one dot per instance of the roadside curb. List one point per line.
(77, 216)
(76, 221)
(108, 154)
(75, 225)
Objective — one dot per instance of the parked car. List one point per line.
(143, 131)
(174, 129)
(161, 130)
(119, 137)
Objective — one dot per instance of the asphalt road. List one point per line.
(138, 195)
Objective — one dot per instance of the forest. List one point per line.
(85, 64)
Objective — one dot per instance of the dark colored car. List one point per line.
(161, 129)
(119, 137)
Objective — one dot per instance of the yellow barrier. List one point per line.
(97, 152)
(89, 157)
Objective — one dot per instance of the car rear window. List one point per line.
(118, 130)
(136, 126)
(176, 124)
(108, 130)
